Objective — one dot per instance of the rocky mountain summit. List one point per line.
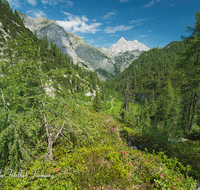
(123, 46)
(105, 62)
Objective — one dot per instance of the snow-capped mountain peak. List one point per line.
(122, 46)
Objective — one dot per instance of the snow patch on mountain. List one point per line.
(122, 46)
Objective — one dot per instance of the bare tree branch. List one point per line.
(4, 102)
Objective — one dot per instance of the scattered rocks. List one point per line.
(134, 147)
(134, 144)
(178, 140)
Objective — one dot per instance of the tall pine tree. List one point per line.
(189, 67)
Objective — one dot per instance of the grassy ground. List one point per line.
(117, 107)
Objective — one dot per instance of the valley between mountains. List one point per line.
(75, 117)
(105, 62)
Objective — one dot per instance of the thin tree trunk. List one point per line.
(189, 111)
(189, 116)
(193, 113)
(4, 102)
(49, 136)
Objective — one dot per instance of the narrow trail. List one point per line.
(111, 104)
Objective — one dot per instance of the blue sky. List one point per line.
(102, 23)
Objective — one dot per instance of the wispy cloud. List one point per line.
(141, 21)
(78, 24)
(172, 5)
(56, 2)
(123, 1)
(50, 2)
(110, 29)
(100, 38)
(68, 4)
(142, 36)
(107, 45)
(32, 2)
(114, 35)
(36, 13)
(151, 3)
(14, 3)
(90, 41)
(150, 31)
(137, 22)
(109, 14)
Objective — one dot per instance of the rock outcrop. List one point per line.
(107, 63)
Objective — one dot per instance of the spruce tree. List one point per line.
(97, 104)
(153, 105)
(189, 67)
(5, 24)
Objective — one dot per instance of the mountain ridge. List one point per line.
(100, 60)
(123, 45)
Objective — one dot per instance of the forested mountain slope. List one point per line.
(36, 83)
(150, 71)
(161, 76)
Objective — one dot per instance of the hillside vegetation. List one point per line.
(53, 135)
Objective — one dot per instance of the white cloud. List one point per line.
(117, 28)
(14, 3)
(32, 2)
(138, 21)
(36, 13)
(68, 4)
(123, 1)
(108, 15)
(44, 2)
(141, 21)
(150, 31)
(55, 2)
(151, 3)
(78, 24)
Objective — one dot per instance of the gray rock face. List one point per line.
(107, 63)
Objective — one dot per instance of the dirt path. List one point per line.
(112, 104)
